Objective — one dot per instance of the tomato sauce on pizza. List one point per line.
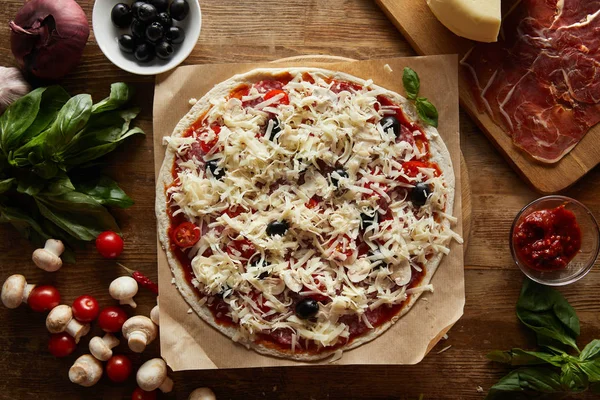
(305, 210)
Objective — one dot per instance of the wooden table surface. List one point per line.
(257, 30)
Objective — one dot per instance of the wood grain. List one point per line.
(255, 30)
(428, 36)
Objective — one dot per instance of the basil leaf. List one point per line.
(526, 383)
(78, 214)
(6, 184)
(120, 94)
(70, 120)
(524, 357)
(30, 115)
(573, 378)
(18, 117)
(89, 154)
(427, 111)
(105, 191)
(59, 186)
(546, 312)
(592, 369)
(592, 350)
(30, 184)
(411, 83)
(25, 224)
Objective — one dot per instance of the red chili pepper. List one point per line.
(141, 279)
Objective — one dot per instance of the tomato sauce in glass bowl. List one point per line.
(555, 240)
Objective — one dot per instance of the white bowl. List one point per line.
(107, 35)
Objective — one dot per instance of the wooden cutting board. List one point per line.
(428, 36)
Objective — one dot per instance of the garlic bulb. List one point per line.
(12, 86)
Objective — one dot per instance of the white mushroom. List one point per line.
(48, 258)
(123, 289)
(61, 319)
(152, 375)
(15, 291)
(139, 331)
(154, 315)
(101, 347)
(202, 394)
(292, 280)
(359, 270)
(401, 273)
(86, 371)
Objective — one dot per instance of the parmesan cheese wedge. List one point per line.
(472, 19)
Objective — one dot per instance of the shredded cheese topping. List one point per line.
(314, 156)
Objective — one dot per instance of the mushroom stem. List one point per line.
(101, 347)
(15, 291)
(123, 289)
(61, 319)
(27, 292)
(48, 258)
(139, 332)
(154, 315)
(86, 371)
(167, 385)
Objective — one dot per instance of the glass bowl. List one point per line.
(583, 261)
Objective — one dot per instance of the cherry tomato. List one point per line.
(234, 211)
(207, 146)
(61, 344)
(272, 93)
(186, 235)
(139, 394)
(411, 168)
(85, 309)
(118, 368)
(312, 203)
(109, 244)
(242, 248)
(43, 298)
(111, 319)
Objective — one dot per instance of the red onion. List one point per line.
(48, 37)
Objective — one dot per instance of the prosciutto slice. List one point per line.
(541, 81)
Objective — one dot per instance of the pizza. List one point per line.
(303, 211)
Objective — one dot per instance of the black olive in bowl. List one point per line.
(175, 35)
(165, 20)
(179, 9)
(160, 5)
(144, 53)
(121, 15)
(127, 43)
(154, 32)
(164, 50)
(147, 13)
(135, 8)
(138, 29)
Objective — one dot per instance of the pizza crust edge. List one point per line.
(438, 154)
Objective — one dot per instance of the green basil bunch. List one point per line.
(49, 181)
(551, 372)
(412, 84)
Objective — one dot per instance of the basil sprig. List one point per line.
(412, 84)
(50, 144)
(550, 372)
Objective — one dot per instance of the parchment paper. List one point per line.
(187, 342)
